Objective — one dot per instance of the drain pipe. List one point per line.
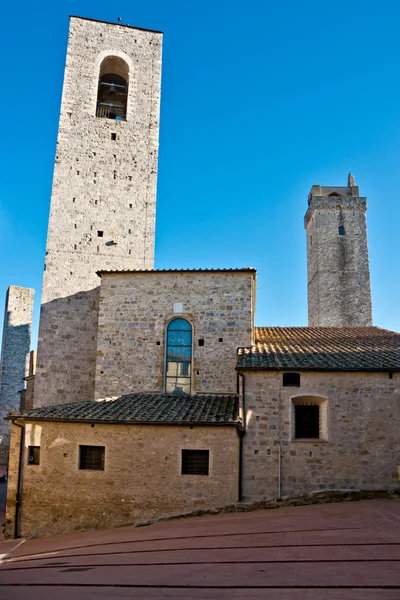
(241, 433)
(18, 494)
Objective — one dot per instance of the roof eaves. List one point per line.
(121, 421)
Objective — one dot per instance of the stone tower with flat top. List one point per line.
(102, 213)
(339, 292)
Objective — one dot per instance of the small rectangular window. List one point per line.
(195, 462)
(306, 421)
(100, 234)
(114, 136)
(201, 342)
(91, 458)
(291, 380)
(341, 231)
(33, 455)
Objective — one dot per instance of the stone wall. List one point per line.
(102, 212)
(141, 480)
(135, 309)
(339, 291)
(360, 430)
(14, 356)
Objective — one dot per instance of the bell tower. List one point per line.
(339, 292)
(102, 213)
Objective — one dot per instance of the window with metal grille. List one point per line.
(306, 421)
(33, 455)
(291, 379)
(91, 458)
(178, 360)
(195, 462)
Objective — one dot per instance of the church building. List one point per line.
(154, 392)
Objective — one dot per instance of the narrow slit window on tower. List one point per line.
(112, 92)
(341, 230)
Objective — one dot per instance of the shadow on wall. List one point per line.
(66, 361)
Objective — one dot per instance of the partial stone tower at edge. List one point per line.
(14, 357)
(102, 213)
(339, 291)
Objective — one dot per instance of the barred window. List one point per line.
(307, 421)
(91, 458)
(195, 462)
(33, 455)
(178, 361)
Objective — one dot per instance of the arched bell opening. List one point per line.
(112, 94)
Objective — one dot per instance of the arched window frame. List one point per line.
(113, 75)
(180, 375)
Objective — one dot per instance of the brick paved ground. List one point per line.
(331, 551)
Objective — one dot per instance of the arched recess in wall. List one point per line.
(112, 93)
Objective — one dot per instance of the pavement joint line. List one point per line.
(66, 567)
(35, 557)
(191, 537)
(205, 587)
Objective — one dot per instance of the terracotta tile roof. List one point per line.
(237, 270)
(322, 348)
(144, 409)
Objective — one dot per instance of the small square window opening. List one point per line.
(291, 380)
(100, 233)
(195, 462)
(113, 136)
(201, 342)
(33, 455)
(91, 458)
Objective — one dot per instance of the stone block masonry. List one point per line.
(102, 213)
(358, 447)
(14, 357)
(339, 292)
(135, 309)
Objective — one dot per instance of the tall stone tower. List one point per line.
(102, 213)
(14, 357)
(339, 292)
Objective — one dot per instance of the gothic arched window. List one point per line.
(112, 92)
(178, 360)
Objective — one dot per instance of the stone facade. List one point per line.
(141, 479)
(102, 212)
(339, 291)
(14, 356)
(359, 431)
(135, 309)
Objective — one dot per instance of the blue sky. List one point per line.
(260, 100)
